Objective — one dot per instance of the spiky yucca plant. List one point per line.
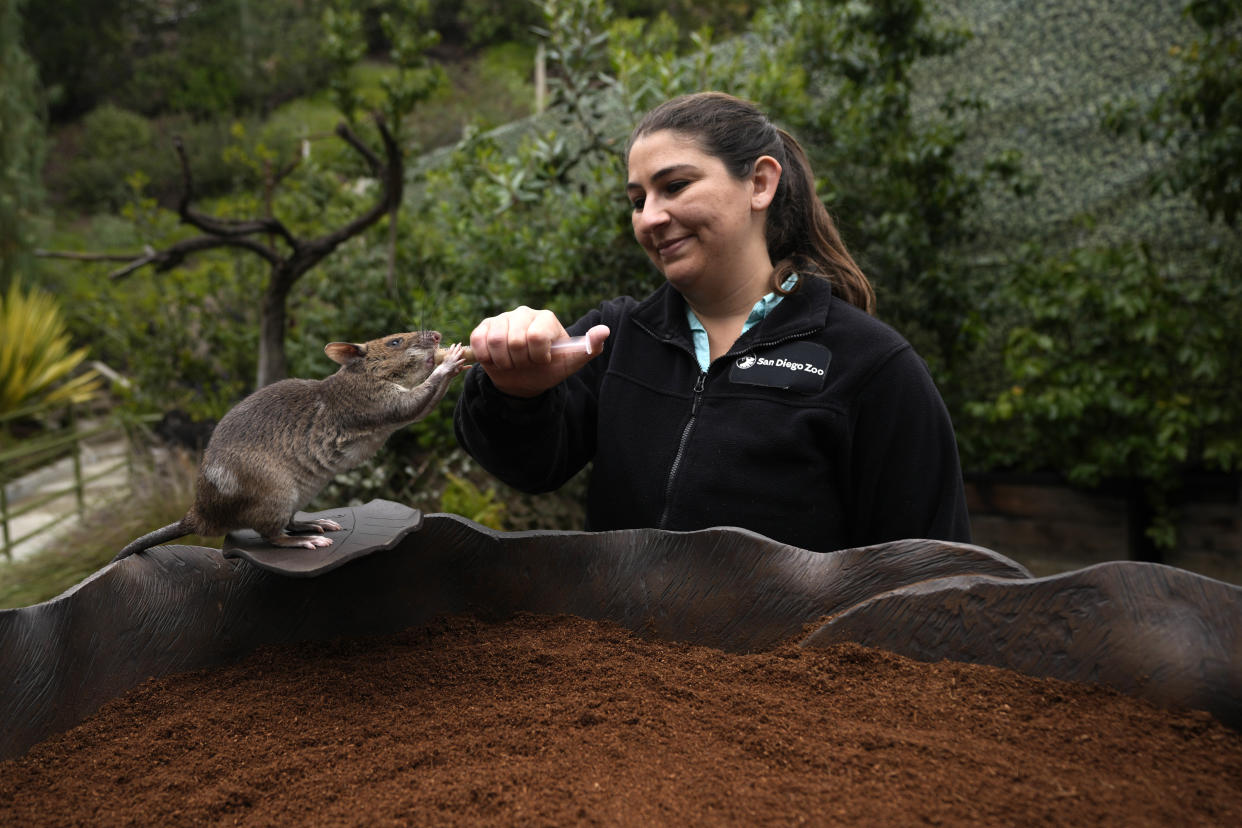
(37, 360)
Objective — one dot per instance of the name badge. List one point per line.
(798, 366)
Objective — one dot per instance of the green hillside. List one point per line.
(1048, 71)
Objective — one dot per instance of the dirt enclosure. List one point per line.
(544, 720)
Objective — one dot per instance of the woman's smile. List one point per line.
(673, 246)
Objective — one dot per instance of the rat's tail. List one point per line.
(163, 535)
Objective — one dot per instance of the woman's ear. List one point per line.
(764, 178)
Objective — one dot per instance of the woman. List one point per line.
(753, 388)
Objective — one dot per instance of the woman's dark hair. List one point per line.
(801, 236)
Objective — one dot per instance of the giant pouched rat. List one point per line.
(276, 449)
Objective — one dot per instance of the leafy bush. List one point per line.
(37, 362)
(461, 497)
(178, 337)
(114, 143)
(1199, 115)
(1123, 369)
(208, 60)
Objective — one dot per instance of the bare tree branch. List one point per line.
(215, 226)
(392, 178)
(348, 135)
(90, 257)
(165, 259)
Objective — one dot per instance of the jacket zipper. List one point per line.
(699, 384)
(681, 447)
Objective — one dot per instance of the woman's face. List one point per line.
(691, 216)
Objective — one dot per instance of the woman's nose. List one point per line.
(650, 216)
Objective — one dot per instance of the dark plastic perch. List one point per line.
(177, 608)
(380, 524)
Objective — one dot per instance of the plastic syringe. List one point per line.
(568, 345)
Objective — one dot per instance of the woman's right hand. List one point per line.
(515, 349)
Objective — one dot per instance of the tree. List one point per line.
(1121, 368)
(1123, 373)
(22, 143)
(288, 255)
(414, 80)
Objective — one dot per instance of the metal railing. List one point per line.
(22, 458)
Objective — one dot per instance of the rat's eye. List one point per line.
(395, 342)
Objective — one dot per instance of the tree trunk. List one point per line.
(272, 365)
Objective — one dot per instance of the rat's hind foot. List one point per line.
(318, 525)
(303, 541)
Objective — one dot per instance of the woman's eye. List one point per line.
(676, 186)
(637, 203)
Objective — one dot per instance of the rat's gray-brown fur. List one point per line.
(277, 449)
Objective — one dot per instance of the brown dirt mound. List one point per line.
(556, 720)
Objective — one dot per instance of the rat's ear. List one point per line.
(344, 352)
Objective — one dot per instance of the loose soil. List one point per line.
(556, 720)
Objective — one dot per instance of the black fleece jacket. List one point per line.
(861, 453)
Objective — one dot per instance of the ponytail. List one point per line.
(803, 238)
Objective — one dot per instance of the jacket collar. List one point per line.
(663, 314)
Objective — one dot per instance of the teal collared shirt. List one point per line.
(702, 348)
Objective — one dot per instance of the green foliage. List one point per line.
(113, 144)
(1120, 366)
(1045, 73)
(223, 58)
(343, 47)
(482, 22)
(22, 144)
(461, 497)
(38, 363)
(1123, 368)
(1199, 116)
(477, 23)
(183, 338)
(416, 77)
(534, 235)
(82, 49)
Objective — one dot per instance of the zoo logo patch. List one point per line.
(796, 366)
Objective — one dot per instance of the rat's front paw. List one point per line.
(454, 359)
